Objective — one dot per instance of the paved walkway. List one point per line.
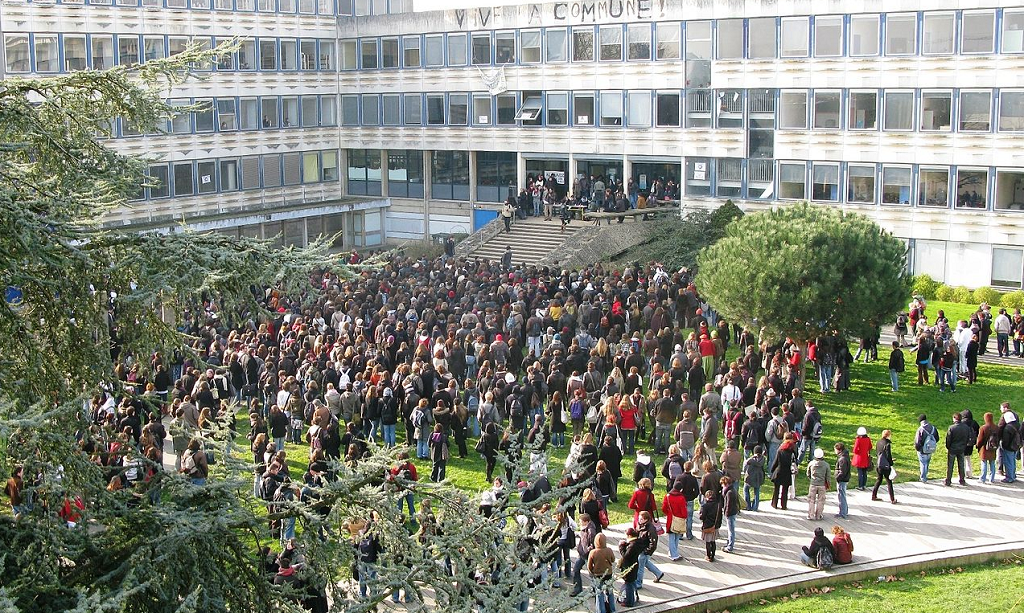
(931, 521)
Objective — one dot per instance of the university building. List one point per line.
(391, 124)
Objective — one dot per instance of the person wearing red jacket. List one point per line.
(405, 471)
(674, 505)
(627, 425)
(862, 447)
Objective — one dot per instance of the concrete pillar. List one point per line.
(384, 173)
(343, 169)
(627, 169)
(472, 177)
(571, 173)
(428, 169)
(520, 171)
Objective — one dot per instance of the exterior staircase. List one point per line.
(531, 239)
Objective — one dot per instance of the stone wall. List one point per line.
(596, 243)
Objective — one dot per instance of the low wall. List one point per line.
(596, 243)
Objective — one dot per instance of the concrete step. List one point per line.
(531, 240)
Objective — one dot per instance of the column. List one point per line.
(571, 174)
(520, 171)
(384, 173)
(472, 177)
(428, 169)
(627, 169)
(343, 169)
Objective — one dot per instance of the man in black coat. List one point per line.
(958, 438)
(810, 552)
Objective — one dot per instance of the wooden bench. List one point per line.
(654, 211)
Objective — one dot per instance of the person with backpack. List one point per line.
(897, 364)
(672, 468)
(578, 411)
(900, 329)
(775, 433)
(754, 469)
(988, 445)
(925, 442)
(820, 553)
(1010, 443)
(811, 433)
(686, 436)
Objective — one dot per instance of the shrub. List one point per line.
(987, 294)
(1012, 300)
(925, 286)
(944, 293)
(962, 295)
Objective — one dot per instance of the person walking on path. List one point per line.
(782, 471)
(818, 475)
(753, 478)
(506, 259)
(884, 466)
(601, 564)
(730, 509)
(675, 508)
(926, 441)
(958, 439)
(897, 364)
(507, 212)
(585, 542)
(988, 446)
(648, 530)
(842, 478)
(711, 522)
(862, 457)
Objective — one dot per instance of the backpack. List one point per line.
(648, 472)
(824, 559)
(516, 408)
(730, 426)
(992, 444)
(901, 320)
(569, 541)
(576, 409)
(931, 441)
(674, 471)
(1015, 442)
(780, 429)
(817, 431)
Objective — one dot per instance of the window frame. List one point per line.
(829, 21)
(935, 94)
(886, 98)
(910, 184)
(792, 163)
(850, 176)
(938, 15)
(668, 26)
(921, 171)
(611, 29)
(406, 48)
(990, 94)
(640, 29)
(991, 13)
(783, 94)
(548, 46)
(887, 41)
(851, 123)
(1003, 93)
(851, 40)
(791, 52)
(752, 39)
(614, 122)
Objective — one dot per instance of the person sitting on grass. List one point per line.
(810, 554)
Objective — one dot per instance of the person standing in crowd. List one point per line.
(842, 478)
(677, 518)
(601, 565)
(958, 439)
(884, 466)
(584, 545)
(818, 476)
(782, 471)
(926, 441)
(1002, 327)
(897, 365)
(1010, 443)
(711, 522)
(754, 472)
(987, 444)
(730, 509)
(862, 448)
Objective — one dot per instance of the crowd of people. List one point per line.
(430, 355)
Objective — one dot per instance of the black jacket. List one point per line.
(819, 542)
(843, 467)
(958, 438)
(896, 361)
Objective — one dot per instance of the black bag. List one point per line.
(210, 458)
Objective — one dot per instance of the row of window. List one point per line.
(191, 178)
(232, 114)
(963, 110)
(302, 7)
(449, 174)
(761, 38)
(47, 53)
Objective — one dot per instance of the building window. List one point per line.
(977, 32)
(583, 44)
(827, 110)
(268, 54)
(413, 110)
(449, 175)
(761, 38)
(495, 172)
(530, 112)
(793, 110)
(668, 40)
(760, 179)
(268, 108)
(329, 164)
(860, 184)
(46, 53)
(251, 172)
(249, 114)
(152, 48)
(247, 55)
(458, 51)
(458, 109)
(698, 54)
(863, 110)
(434, 50)
(611, 43)
(971, 188)
(1011, 111)
(936, 111)
(937, 37)
(102, 52)
(204, 115)
(16, 51)
(558, 109)
(289, 54)
(328, 110)
(825, 182)
(371, 110)
(364, 174)
(225, 61)
(583, 109)
(368, 53)
(828, 36)
(1007, 267)
(226, 114)
(506, 109)
(639, 109)
(556, 43)
(289, 112)
(901, 34)
(158, 179)
(481, 49)
(392, 106)
(310, 118)
(481, 110)
(184, 185)
(795, 36)
(698, 176)
(899, 111)
(729, 177)
(730, 39)
(730, 108)
(76, 53)
(1013, 32)
(505, 48)
(127, 51)
(975, 111)
(792, 181)
(933, 187)
(668, 109)
(896, 185)
(639, 39)
(405, 173)
(611, 108)
(272, 170)
(699, 108)
(350, 110)
(389, 53)
(181, 121)
(411, 51)
(435, 109)
(207, 175)
(531, 46)
(349, 55)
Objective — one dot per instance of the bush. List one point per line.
(962, 295)
(925, 286)
(944, 293)
(987, 294)
(1012, 300)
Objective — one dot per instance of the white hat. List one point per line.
(771, 391)
(818, 454)
(510, 378)
(862, 431)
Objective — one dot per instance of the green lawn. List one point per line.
(992, 587)
(871, 404)
(956, 311)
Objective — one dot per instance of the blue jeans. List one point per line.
(894, 378)
(689, 520)
(278, 443)
(389, 434)
(924, 459)
(287, 529)
(844, 509)
(773, 448)
(1003, 344)
(202, 480)
(730, 522)
(372, 428)
(752, 496)
(673, 545)
(643, 564)
(807, 445)
(605, 590)
(474, 425)
(628, 441)
(825, 373)
(807, 561)
(988, 469)
(946, 376)
(1010, 466)
(367, 573)
(411, 501)
(629, 593)
(423, 449)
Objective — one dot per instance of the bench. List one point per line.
(653, 211)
